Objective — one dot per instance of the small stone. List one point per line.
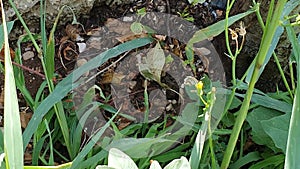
(28, 55)
(81, 47)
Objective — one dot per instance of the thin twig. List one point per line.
(28, 69)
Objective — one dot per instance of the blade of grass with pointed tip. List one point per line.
(293, 149)
(13, 146)
(79, 158)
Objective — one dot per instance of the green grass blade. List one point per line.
(13, 146)
(70, 82)
(9, 26)
(91, 144)
(251, 157)
(273, 160)
(37, 150)
(293, 149)
(51, 158)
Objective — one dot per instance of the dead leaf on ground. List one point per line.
(25, 118)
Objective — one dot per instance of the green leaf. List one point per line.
(49, 57)
(216, 29)
(250, 157)
(9, 26)
(277, 129)
(175, 152)
(141, 12)
(181, 163)
(136, 27)
(266, 101)
(13, 145)
(271, 162)
(139, 147)
(255, 119)
(152, 65)
(119, 160)
(293, 151)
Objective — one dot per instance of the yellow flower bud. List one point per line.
(199, 85)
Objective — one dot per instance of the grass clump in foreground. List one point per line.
(266, 114)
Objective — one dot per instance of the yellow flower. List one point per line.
(199, 85)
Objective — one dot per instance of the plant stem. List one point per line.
(260, 21)
(242, 114)
(38, 49)
(283, 76)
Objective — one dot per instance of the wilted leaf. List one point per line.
(151, 66)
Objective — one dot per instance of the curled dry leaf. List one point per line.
(72, 32)
(12, 54)
(70, 53)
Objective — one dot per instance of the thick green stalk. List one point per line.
(242, 114)
(260, 21)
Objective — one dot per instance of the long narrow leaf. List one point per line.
(293, 149)
(9, 26)
(12, 126)
(217, 28)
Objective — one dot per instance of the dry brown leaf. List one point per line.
(12, 54)
(25, 118)
(117, 26)
(72, 32)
